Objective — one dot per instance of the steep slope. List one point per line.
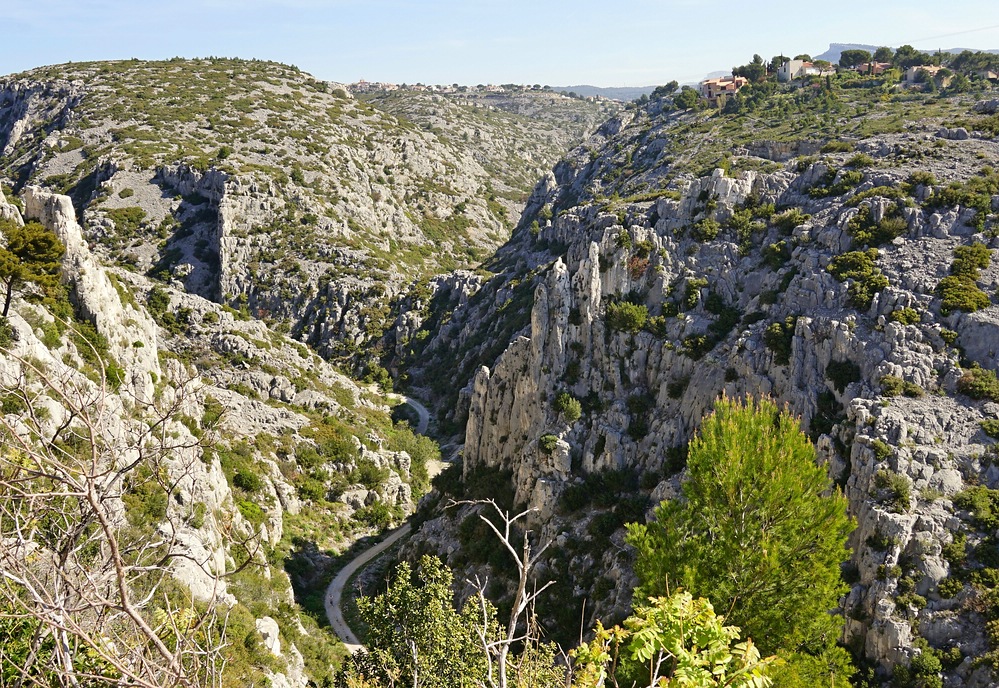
(833, 259)
(254, 185)
(241, 461)
(516, 134)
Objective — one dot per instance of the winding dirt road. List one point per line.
(421, 412)
(334, 593)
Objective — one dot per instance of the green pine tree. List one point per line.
(759, 532)
(31, 254)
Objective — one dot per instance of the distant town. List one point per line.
(363, 86)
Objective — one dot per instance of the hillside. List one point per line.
(229, 464)
(192, 248)
(810, 244)
(531, 128)
(254, 185)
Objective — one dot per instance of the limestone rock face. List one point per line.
(130, 332)
(25, 102)
(321, 218)
(208, 381)
(745, 306)
(8, 211)
(268, 629)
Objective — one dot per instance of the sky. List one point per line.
(553, 42)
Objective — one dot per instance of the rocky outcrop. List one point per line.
(23, 103)
(736, 300)
(201, 387)
(320, 220)
(130, 332)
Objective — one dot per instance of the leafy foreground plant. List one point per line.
(672, 641)
(86, 595)
(418, 638)
(759, 534)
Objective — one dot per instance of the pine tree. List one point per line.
(31, 255)
(758, 531)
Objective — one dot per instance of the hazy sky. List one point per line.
(556, 42)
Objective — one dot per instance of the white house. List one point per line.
(798, 69)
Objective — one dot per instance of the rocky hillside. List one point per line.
(526, 125)
(829, 247)
(254, 185)
(241, 454)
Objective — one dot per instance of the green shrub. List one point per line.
(251, 511)
(880, 542)
(706, 229)
(197, 518)
(697, 345)
(779, 337)
(777, 254)
(145, 498)
(127, 220)
(847, 181)
(247, 480)
(311, 489)
(865, 278)
(860, 160)
(741, 222)
(958, 293)
(547, 443)
(837, 147)
(949, 587)
(626, 317)
(6, 333)
(882, 450)
(983, 504)
(922, 178)
(990, 426)
(692, 293)
(955, 551)
(906, 316)
(892, 386)
(377, 515)
(968, 260)
(568, 406)
(899, 490)
(158, 300)
(676, 388)
(842, 373)
(979, 383)
(975, 193)
(369, 474)
(866, 232)
(213, 410)
(14, 403)
(789, 219)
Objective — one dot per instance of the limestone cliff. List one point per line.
(657, 288)
(223, 439)
(253, 184)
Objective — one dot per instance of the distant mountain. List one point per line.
(623, 93)
(836, 49)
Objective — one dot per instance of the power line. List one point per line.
(955, 33)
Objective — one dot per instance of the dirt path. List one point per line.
(334, 593)
(421, 412)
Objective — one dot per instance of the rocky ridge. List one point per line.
(254, 185)
(267, 440)
(646, 308)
